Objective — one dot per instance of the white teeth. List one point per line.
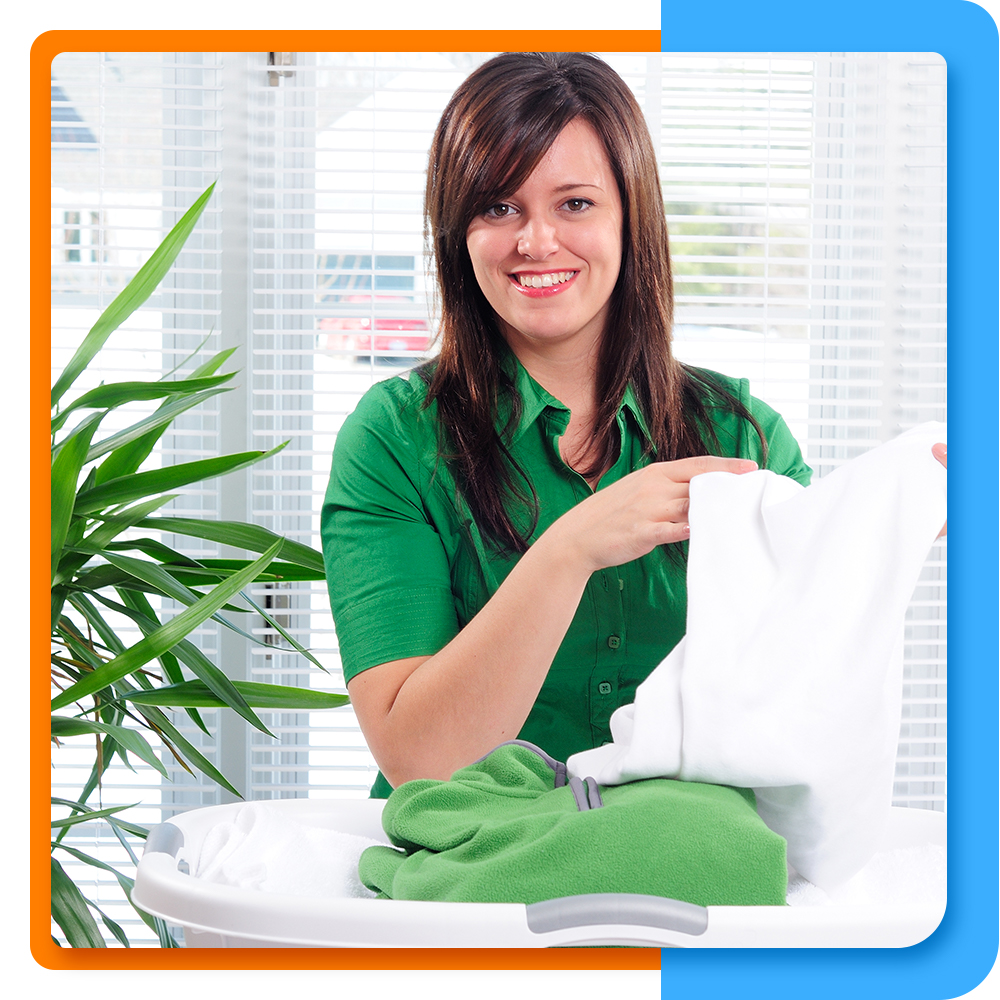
(544, 280)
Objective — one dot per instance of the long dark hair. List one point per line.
(496, 128)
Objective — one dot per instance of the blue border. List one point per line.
(959, 955)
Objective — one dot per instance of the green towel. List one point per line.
(510, 829)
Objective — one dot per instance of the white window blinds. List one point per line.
(805, 198)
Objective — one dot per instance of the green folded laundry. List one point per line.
(511, 828)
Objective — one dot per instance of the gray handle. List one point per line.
(164, 839)
(616, 908)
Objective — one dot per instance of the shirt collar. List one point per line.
(535, 400)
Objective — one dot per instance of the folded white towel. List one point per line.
(789, 678)
(263, 850)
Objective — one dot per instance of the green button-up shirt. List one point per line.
(407, 567)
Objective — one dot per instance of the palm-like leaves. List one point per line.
(98, 494)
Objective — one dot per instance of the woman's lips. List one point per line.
(542, 284)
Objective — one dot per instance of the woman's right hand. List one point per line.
(629, 518)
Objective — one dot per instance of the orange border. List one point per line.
(44, 49)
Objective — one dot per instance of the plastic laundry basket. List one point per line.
(222, 916)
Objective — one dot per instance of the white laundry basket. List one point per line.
(222, 916)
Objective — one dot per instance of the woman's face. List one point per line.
(548, 257)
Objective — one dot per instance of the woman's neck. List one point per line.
(570, 376)
(564, 370)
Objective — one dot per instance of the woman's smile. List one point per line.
(542, 284)
(547, 258)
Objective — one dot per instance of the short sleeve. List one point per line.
(387, 569)
(737, 436)
(783, 453)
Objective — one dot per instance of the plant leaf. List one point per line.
(165, 637)
(66, 466)
(95, 619)
(154, 575)
(180, 364)
(128, 456)
(128, 738)
(148, 430)
(167, 585)
(214, 363)
(213, 570)
(166, 555)
(133, 828)
(161, 724)
(58, 602)
(283, 698)
(126, 884)
(123, 880)
(126, 489)
(112, 926)
(113, 394)
(286, 635)
(132, 295)
(88, 816)
(112, 527)
(141, 612)
(71, 913)
(251, 537)
(79, 806)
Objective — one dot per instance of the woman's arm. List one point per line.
(426, 716)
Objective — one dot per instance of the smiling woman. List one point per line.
(535, 474)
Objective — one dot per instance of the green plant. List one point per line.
(98, 493)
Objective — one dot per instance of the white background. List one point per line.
(21, 973)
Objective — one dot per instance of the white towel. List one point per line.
(263, 850)
(789, 678)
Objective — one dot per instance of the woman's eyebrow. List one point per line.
(576, 184)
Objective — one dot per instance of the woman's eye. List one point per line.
(578, 204)
(498, 211)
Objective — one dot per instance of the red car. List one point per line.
(393, 339)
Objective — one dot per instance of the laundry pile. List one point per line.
(789, 678)
(775, 720)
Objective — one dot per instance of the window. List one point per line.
(805, 199)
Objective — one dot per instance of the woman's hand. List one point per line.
(646, 508)
(940, 452)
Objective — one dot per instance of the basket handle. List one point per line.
(616, 908)
(164, 839)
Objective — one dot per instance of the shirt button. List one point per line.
(614, 641)
(604, 687)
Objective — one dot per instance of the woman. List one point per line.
(504, 528)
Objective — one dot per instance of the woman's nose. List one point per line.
(537, 239)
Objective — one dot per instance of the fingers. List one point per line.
(675, 476)
(646, 508)
(673, 531)
(675, 516)
(685, 469)
(940, 452)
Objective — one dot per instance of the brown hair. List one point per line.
(496, 128)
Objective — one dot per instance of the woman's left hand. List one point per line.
(940, 452)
